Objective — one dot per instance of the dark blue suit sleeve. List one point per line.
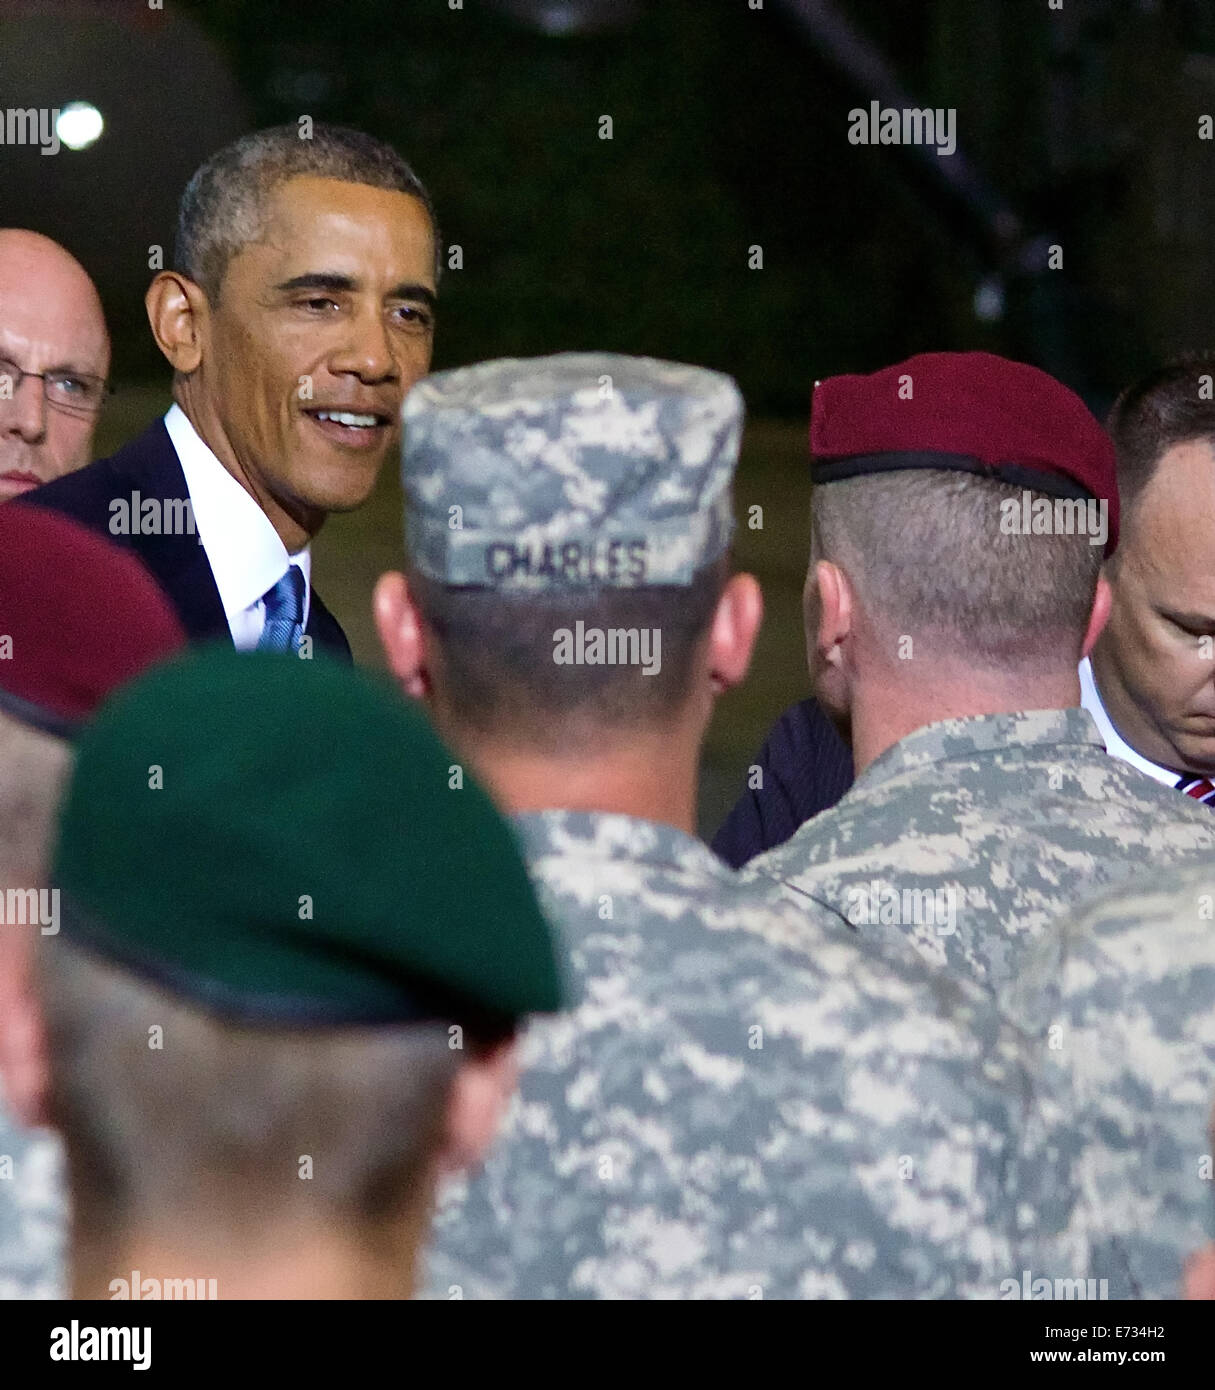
(806, 768)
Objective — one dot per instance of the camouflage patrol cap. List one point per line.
(574, 470)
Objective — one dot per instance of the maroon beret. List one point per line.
(78, 618)
(970, 411)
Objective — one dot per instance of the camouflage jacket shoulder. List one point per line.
(33, 1212)
(969, 836)
(1121, 999)
(747, 1102)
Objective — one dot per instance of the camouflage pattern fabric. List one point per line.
(33, 1213)
(747, 1103)
(1122, 1000)
(969, 836)
(573, 470)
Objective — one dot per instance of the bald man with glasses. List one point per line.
(54, 357)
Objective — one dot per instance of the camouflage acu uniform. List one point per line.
(33, 1213)
(970, 835)
(747, 1103)
(1122, 998)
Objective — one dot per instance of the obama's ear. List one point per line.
(402, 635)
(179, 315)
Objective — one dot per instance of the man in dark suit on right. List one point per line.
(298, 313)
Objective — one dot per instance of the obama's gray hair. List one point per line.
(224, 204)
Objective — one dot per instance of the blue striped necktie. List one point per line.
(284, 614)
(1200, 788)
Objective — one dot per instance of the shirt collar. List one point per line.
(1115, 744)
(608, 836)
(987, 733)
(246, 555)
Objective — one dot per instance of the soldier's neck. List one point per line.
(653, 778)
(885, 712)
(291, 1266)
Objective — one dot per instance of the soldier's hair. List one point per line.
(224, 205)
(496, 650)
(1171, 405)
(33, 770)
(207, 1133)
(925, 550)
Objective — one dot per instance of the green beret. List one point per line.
(289, 841)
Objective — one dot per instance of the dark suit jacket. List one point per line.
(149, 466)
(806, 766)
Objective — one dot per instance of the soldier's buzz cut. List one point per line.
(924, 548)
(223, 207)
(1171, 405)
(499, 677)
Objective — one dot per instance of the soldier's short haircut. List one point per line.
(33, 770)
(224, 205)
(925, 550)
(1171, 405)
(496, 653)
(208, 1132)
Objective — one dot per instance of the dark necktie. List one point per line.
(1200, 788)
(284, 614)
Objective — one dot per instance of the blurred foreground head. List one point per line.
(568, 597)
(78, 619)
(962, 507)
(286, 985)
(54, 358)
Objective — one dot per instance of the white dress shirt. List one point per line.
(245, 553)
(1115, 744)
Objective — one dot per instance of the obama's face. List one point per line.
(1155, 660)
(295, 374)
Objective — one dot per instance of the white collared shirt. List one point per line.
(243, 549)
(1115, 744)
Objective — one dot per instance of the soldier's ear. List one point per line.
(178, 314)
(402, 634)
(1102, 602)
(828, 603)
(736, 622)
(1199, 1279)
(479, 1097)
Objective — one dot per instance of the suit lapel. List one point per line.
(327, 630)
(179, 563)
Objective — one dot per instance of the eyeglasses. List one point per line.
(74, 392)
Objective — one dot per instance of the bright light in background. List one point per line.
(79, 125)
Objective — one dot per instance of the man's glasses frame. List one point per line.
(77, 393)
